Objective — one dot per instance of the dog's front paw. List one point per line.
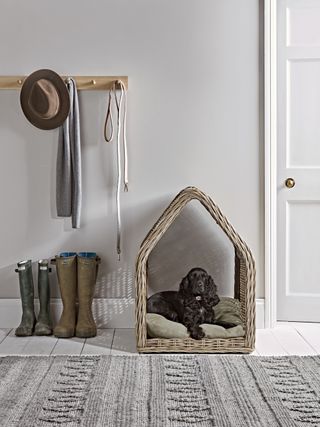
(174, 317)
(197, 333)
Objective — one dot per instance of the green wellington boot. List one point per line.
(88, 263)
(28, 320)
(66, 266)
(43, 325)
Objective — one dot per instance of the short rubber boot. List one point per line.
(28, 320)
(66, 267)
(88, 263)
(44, 325)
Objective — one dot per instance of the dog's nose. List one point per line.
(201, 286)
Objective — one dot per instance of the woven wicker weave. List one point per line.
(244, 284)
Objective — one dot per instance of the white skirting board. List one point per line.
(108, 313)
(260, 323)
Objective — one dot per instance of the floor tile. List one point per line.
(68, 346)
(267, 344)
(124, 342)
(292, 341)
(101, 344)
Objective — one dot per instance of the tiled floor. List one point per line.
(287, 338)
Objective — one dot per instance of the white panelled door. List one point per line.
(298, 121)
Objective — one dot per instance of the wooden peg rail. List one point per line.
(83, 82)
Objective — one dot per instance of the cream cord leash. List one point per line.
(120, 102)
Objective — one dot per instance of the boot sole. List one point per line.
(90, 335)
(24, 335)
(64, 335)
(42, 334)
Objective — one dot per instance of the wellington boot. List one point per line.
(28, 320)
(66, 266)
(43, 325)
(87, 275)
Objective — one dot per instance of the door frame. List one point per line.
(270, 160)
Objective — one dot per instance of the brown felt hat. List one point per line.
(45, 99)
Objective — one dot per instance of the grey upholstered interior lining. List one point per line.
(193, 240)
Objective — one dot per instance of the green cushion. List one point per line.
(160, 327)
(216, 331)
(228, 310)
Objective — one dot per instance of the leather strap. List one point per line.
(120, 103)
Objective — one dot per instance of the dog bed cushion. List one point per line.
(228, 310)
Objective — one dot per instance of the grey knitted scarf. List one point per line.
(68, 184)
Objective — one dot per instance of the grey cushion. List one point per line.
(228, 310)
(160, 327)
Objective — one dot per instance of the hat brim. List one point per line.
(64, 99)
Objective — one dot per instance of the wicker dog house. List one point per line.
(244, 286)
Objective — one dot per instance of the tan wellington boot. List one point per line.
(66, 266)
(88, 263)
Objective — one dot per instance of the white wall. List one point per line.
(194, 105)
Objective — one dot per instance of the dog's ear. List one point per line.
(211, 285)
(211, 288)
(184, 285)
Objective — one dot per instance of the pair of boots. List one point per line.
(28, 324)
(77, 274)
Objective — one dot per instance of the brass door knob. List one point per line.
(290, 182)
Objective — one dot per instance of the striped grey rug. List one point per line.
(156, 391)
